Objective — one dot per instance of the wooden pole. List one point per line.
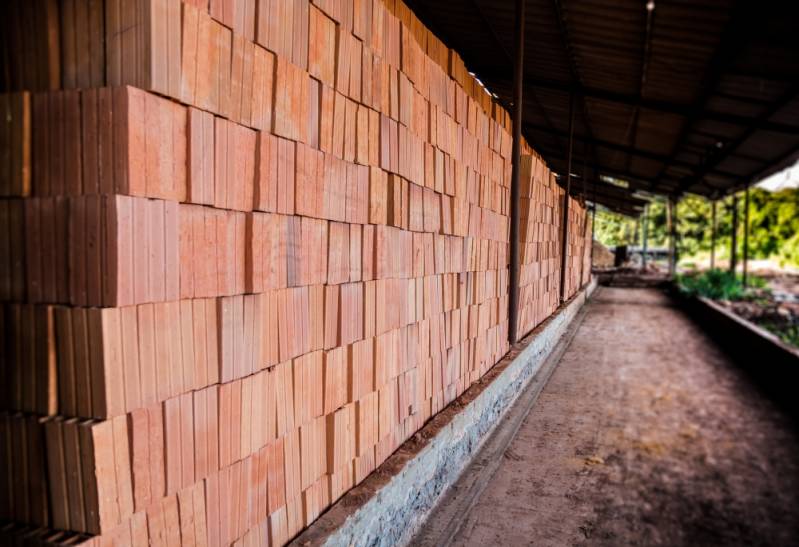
(713, 235)
(746, 237)
(565, 226)
(734, 242)
(515, 191)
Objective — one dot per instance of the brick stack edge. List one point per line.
(247, 249)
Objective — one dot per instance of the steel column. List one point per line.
(746, 236)
(713, 234)
(515, 191)
(565, 221)
(585, 205)
(734, 242)
(672, 218)
(645, 235)
(593, 228)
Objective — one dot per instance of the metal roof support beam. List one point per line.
(632, 213)
(781, 162)
(636, 182)
(730, 147)
(515, 191)
(680, 109)
(495, 37)
(609, 196)
(629, 150)
(563, 30)
(645, 57)
(565, 221)
(666, 107)
(728, 48)
(619, 206)
(604, 188)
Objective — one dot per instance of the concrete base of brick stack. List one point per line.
(389, 507)
(648, 432)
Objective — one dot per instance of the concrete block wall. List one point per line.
(249, 248)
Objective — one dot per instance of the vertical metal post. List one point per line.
(746, 236)
(518, 77)
(565, 227)
(585, 206)
(676, 234)
(713, 235)
(593, 228)
(734, 242)
(668, 230)
(672, 214)
(582, 258)
(645, 236)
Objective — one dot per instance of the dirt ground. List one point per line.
(645, 435)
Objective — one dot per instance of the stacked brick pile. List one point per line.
(539, 243)
(540, 236)
(578, 254)
(248, 248)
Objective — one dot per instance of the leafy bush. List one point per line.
(787, 333)
(717, 284)
(789, 254)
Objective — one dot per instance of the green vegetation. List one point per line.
(718, 285)
(788, 334)
(773, 233)
(722, 285)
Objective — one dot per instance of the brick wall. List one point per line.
(249, 247)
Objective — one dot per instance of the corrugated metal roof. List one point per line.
(694, 96)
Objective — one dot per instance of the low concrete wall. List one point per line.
(390, 505)
(767, 360)
(743, 337)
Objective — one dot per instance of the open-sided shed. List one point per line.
(671, 96)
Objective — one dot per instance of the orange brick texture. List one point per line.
(247, 249)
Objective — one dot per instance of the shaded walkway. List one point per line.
(645, 434)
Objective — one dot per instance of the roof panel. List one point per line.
(696, 96)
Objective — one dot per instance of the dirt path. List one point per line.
(645, 435)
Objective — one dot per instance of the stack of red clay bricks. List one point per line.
(249, 247)
(539, 242)
(578, 252)
(540, 235)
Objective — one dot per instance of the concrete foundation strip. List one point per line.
(457, 502)
(390, 507)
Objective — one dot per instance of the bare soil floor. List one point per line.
(646, 434)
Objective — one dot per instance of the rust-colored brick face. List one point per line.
(247, 249)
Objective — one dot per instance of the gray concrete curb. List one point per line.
(388, 508)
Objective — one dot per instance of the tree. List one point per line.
(773, 233)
